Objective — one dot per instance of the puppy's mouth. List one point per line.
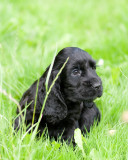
(90, 95)
(100, 92)
(87, 95)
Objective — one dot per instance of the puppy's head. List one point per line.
(79, 81)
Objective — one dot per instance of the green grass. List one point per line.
(29, 34)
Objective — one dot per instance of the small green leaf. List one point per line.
(78, 140)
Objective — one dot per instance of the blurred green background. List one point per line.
(30, 32)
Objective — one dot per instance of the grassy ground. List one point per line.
(29, 34)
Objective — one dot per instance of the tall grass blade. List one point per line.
(49, 71)
(37, 87)
(47, 93)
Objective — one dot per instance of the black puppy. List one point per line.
(70, 103)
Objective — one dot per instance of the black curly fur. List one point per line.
(70, 103)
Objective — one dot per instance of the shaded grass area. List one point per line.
(29, 34)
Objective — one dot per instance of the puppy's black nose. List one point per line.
(96, 85)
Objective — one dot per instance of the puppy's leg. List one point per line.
(68, 132)
(88, 115)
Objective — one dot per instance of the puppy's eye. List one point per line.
(76, 72)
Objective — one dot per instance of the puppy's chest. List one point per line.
(74, 111)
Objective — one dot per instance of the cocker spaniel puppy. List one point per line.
(70, 103)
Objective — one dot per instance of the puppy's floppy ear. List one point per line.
(55, 107)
